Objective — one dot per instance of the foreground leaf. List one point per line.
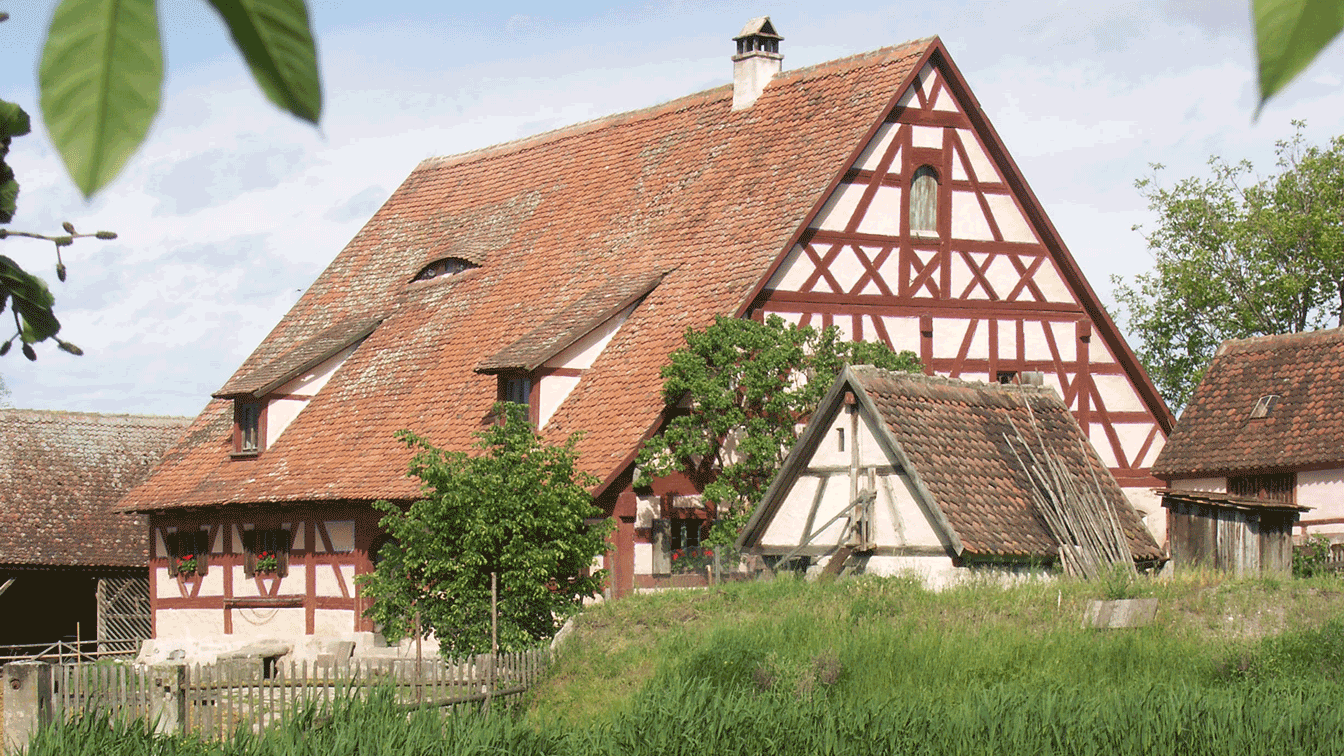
(101, 77)
(277, 43)
(1289, 34)
(30, 298)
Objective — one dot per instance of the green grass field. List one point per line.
(884, 667)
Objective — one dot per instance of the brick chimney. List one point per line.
(756, 62)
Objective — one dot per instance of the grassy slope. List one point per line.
(866, 638)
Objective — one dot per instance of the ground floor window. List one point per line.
(188, 552)
(266, 552)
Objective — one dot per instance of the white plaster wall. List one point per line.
(793, 271)
(553, 390)
(281, 412)
(581, 354)
(1050, 283)
(325, 581)
(947, 336)
(212, 583)
(1007, 339)
(1012, 225)
(1034, 345)
(839, 208)
(1208, 485)
(968, 220)
(1323, 491)
(846, 268)
(275, 622)
(1132, 436)
(877, 147)
(911, 526)
(884, 213)
(980, 163)
(188, 623)
(646, 511)
(1148, 503)
(926, 136)
(834, 499)
(936, 572)
(904, 332)
(166, 587)
(1100, 442)
(1117, 392)
(243, 587)
(945, 102)
(786, 527)
(643, 558)
(333, 622)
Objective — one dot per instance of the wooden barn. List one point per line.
(869, 193)
(934, 477)
(71, 567)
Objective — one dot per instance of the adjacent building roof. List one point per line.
(60, 475)
(958, 441)
(1297, 380)
(556, 223)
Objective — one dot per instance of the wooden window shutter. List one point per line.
(249, 553)
(170, 543)
(662, 547)
(284, 542)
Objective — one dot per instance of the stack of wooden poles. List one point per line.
(1080, 519)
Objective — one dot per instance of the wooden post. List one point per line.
(419, 659)
(494, 636)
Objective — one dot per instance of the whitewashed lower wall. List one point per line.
(1323, 491)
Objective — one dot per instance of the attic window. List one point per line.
(519, 388)
(249, 427)
(448, 266)
(1264, 406)
(924, 201)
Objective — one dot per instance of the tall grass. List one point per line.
(880, 667)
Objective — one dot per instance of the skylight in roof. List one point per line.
(1264, 406)
(448, 266)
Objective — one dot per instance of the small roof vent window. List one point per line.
(1264, 406)
(448, 266)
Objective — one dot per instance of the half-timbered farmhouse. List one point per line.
(936, 477)
(70, 567)
(870, 193)
(1261, 443)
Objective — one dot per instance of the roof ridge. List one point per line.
(723, 91)
(56, 414)
(1012, 388)
(1247, 343)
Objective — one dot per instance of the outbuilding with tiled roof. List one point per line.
(923, 475)
(61, 543)
(1267, 423)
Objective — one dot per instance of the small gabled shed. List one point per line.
(1243, 536)
(901, 473)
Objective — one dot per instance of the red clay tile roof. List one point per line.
(1305, 428)
(306, 355)
(953, 433)
(570, 325)
(60, 475)
(690, 186)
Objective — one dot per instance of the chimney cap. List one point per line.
(758, 27)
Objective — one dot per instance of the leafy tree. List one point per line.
(1236, 257)
(521, 509)
(745, 387)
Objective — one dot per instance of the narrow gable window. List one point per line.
(519, 388)
(248, 427)
(924, 201)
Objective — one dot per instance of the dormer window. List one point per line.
(448, 266)
(249, 428)
(519, 388)
(924, 201)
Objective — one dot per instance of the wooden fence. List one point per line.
(215, 700)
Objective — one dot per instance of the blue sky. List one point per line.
(231, 208)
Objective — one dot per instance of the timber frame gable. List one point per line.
(990, 293)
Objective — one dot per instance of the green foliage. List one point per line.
(517, 509)
(275, 40)
(1289, 34)
(1237, 258)
(747, 385)
(101, 74)
(1309, 558)
(100, 78)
